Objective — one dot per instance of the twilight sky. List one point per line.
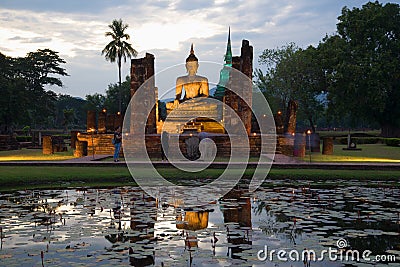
(75, 29)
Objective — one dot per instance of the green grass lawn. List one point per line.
(33, 154)
(368, 153)
(28, 177)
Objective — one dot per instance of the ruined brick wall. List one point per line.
(242, 106)
(142, 70)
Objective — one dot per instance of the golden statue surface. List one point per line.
(192, 100)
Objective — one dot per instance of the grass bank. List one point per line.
(368, 153)
(33, 154)
(29, 177)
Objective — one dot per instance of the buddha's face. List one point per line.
(192, 67)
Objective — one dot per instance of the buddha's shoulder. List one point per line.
(185, 79)
(201, 78)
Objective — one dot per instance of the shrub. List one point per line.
(360, 140)
(24, 138)
(392, 141)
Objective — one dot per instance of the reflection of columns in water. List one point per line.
(241, 215)
(143, 215)
(141, 218)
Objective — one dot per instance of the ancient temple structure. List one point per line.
(202, 113)
(209, 116)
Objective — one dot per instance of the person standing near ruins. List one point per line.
(117, 140)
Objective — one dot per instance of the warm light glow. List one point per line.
(254, 134)
(293, 134)
(118, 113)
(308, 131)
(104, 110)
(279, 112)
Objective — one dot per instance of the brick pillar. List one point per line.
(47, 145)
(110, 121)
(119, 120)
(81, 149)
(142, 69)
(102, 121)
(279, 123)
(244, 87)
(232, 99)
(91, 120)
(246, 67)
(299, 149)
(327, 146)
(290, 125)
(74, 137)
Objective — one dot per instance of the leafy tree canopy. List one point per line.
(362, 65)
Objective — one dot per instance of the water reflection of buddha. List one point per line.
(193, 84)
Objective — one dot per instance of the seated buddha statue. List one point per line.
(191, 99)
(194, 85)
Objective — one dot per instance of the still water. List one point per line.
(124, 226)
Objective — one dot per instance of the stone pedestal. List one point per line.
(327, 146)
(47, 145)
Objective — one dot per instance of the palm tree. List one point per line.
(118, 48)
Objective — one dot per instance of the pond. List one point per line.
(124, 226)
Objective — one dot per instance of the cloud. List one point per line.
(70, 6)
(165, 28)
(30, 40)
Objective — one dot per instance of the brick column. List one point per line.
(91, 120)
(142, 69)
(47, 145)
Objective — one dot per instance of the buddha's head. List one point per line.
(192, 63)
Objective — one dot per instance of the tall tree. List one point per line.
(293, 74)
(111, 102)
(95, 102)
(40, 69)
(362, 64)
(78, 105)
(23, 82)
(274, 83)
(14, 99)
(118, 49)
